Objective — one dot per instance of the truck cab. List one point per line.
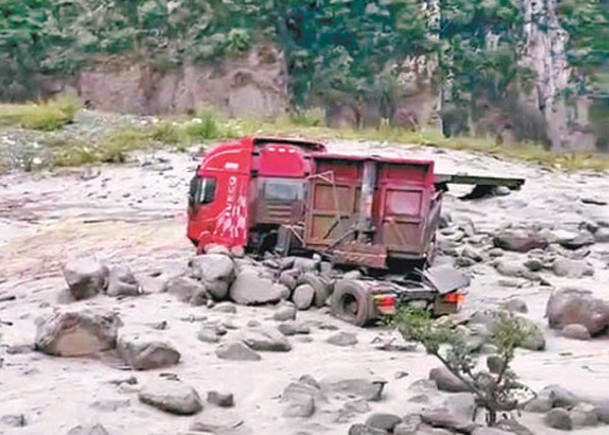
(244, 190)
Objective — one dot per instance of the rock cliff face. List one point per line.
(253, 84)
(545, 54)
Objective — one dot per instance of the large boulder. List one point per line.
(77, 333)
(187, 290)
(144, 354)
(519, 240)
(569, 305)
(370, 389)
(236, 351)
(171, 396)
(447, 381)
(443, 418)
(86, 277)
(250, 289)
(303, 296)
(122, 282)
(216, 272)
(575, 269)
(266, 339)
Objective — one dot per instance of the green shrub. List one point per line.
(47, 116)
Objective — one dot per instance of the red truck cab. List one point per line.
(245, 189)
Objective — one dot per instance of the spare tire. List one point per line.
(351, 302)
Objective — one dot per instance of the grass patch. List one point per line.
(208, 125)
(46, 116)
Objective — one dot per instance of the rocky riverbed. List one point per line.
(161, 358)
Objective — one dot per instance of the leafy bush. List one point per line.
(495, 392)
(46, 116)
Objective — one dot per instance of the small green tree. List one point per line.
(496, 392)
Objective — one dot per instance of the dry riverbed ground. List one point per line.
(135, 214)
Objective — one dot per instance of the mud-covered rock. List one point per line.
(237, 351)
(142, 353)
(95, 429)
(343, 339)
(447, 381)
(575, 269)
(303, 296)
(187, 290)
(250, 289)
(576, 331)
(364, 429)
(558, 419)
(383, 421)
(86, 277)
(569, 305)
(122, 282)
(515, 305)
(584, 414)
(285, 312)
(291, 327)
(216, 272)
(221, 399)
(266, 339)
(300, 398)
(519, 240)
(370, 389)
(77, 333)
(443, 418)
(172, 396)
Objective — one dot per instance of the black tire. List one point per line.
(351, 302)
(322, 289)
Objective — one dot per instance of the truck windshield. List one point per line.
(283, 190)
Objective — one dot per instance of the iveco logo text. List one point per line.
(231, 165)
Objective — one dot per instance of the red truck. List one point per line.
(376, 213)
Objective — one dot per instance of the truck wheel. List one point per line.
(351, 302)
(322, 289)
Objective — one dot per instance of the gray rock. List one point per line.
(285, 312)
(559, 397)
(320, 285)
(300, 398)
(14, 420)
(494, 363)
(602, 411)
(224, 400)
(144, 354)
(558, 419)
(571, 305)
(584, 414)
(77, 333)
(512, 426)
(303, 296)
(216, 272)
(461, 405)
(576, 241)
(534, 264)
(286, 293)
(447, 381)
(443, 418)
(515, 305)
(225, 307)
(236, 351)
(576, 331)
(574, 269)
(519, 241)
(306, 264)
(367, 389)
(472, 254)
(290, 328)
(86, 277)
(535, 339)
(96, 429)
(496, 253)
(383, 421)
(602, 235)
(219, 421)
(250, 289)
(490, 431)
(464, 262)
(410, 425)
(171, 396)
(362, 429)
(110, 405)
(211, 332)
(511, 269)
(343, 339)
(539, 405)
(266, 339)
(289, 278)
(187, 290)
(122, 282)
(353, 274)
